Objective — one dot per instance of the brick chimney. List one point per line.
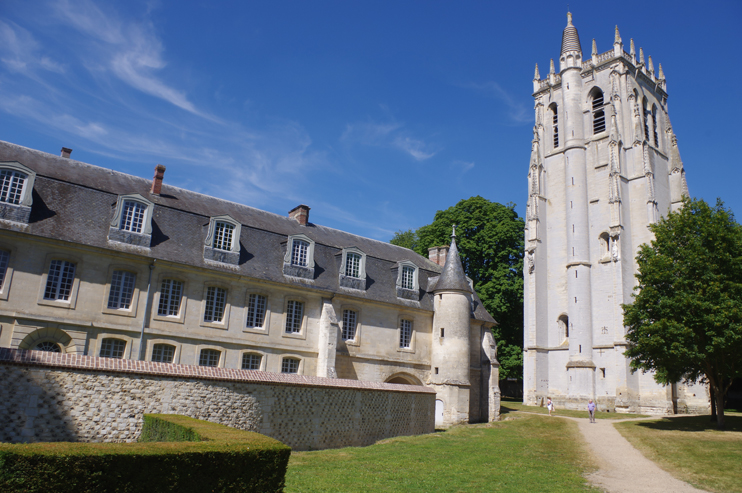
(66, 152)
(438, 254)
(157, 180)
(300, 214)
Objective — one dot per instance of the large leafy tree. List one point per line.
(490, 240)
(686, 319)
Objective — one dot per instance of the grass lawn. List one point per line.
(509, 406)
(691, 448)
(527, 453)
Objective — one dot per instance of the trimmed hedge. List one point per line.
(226, 459)
(156, 429)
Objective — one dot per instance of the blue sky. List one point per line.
(376, 114)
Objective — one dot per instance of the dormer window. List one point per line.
(407, 281)
(299, 252)
(353, 269)
(132, 220)
(132, 217)
(223, 240)
(299, 258)
(16, 185)
(11, 186)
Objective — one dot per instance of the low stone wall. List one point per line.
(63, 397)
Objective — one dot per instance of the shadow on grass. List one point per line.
(692, 423)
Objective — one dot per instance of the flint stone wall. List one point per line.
(62, 397)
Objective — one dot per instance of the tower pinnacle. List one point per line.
(570, 38)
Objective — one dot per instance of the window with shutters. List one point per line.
(598, 111)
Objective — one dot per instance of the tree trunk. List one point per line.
(713, 403)
(719, 408)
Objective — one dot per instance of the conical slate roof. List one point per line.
(570, 38)
(453, 277)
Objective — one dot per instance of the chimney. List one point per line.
(66, 152)
(157, 180)
(438, 254)
(300, 214)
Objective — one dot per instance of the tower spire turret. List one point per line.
(632, 51)
(617, 44)
(650, 67)
(571, 53)
(536, 75)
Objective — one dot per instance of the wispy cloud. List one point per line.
(462, 166)
(517, 111)
(390, 134)
(19, 51)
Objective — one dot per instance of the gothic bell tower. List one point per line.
(604, 166)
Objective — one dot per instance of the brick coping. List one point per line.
(24, 357)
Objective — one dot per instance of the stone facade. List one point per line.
(604, 166)
(56, 397)
(77, 222)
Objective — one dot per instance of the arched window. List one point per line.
(646, 119)
(654, 125)
(598, 111)
(563, 323)
(605, 246)
(554, 124)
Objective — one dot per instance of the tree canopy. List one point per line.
(686, 319)
(490, 240)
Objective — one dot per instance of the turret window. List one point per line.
(554, 124)
(598, 112)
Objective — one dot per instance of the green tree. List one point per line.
(490, 240)
(686, 319)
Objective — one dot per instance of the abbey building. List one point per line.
(604, 166)
(100, 263)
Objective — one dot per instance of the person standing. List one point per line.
(591, 410)
(549, 405)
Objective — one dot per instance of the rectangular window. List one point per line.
(299, 252)
(223, 233)
(171, 293)
(209, 357)
(11, 186)
(349, 325)
(132, 216)
(59, 281)
(163, 353)
(290, 365)
(251, 361)
(4, 258)
(294, 315)
(112, 348)
(122, 290)
(405, 333)
(255, 310)
(353, 265)
(216, 300)
(408, 276)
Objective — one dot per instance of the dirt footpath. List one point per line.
(623, 469)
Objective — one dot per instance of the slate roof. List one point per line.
(453, 277)
(75, 201)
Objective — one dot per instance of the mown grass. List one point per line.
(690, 448)
(509, 406)
(527, 453)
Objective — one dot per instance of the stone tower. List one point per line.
(604, 166)
(451, 340)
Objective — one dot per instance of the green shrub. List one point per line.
(225, 459)
(156, 429)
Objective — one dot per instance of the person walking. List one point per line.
(549, 405)
(591, 410)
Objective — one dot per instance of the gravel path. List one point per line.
(623, 469)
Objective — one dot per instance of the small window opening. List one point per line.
(575, 299)
(580, 347)
(442, 331)
(436, 370)
(602, 370)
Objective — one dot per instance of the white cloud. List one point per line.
(517, 111)
(463, 166)
(18, 51)
(391, 134)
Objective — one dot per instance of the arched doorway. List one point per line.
(404, 379)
